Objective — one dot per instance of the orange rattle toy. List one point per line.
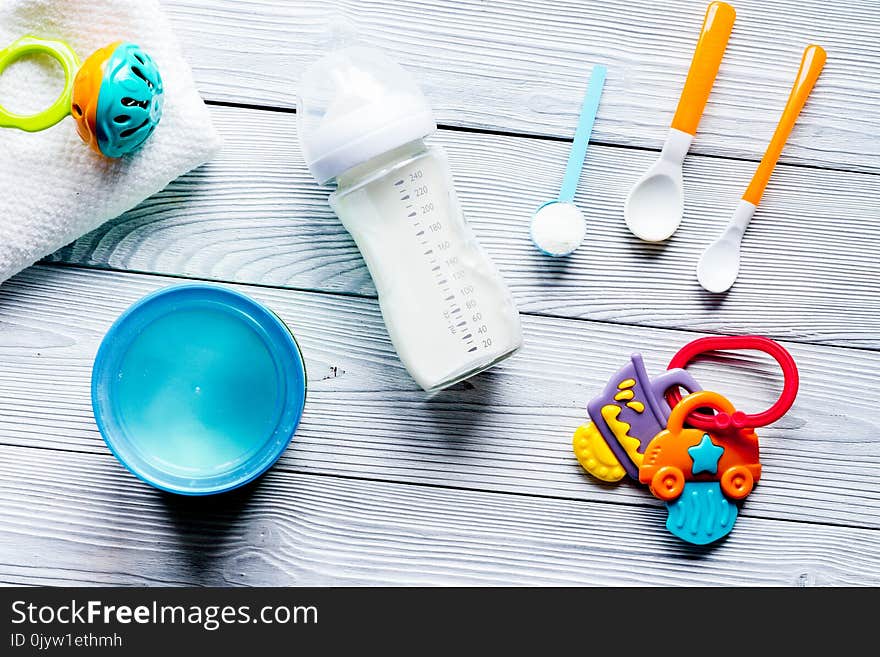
(115, 97)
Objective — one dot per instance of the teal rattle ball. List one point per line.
(117, 99)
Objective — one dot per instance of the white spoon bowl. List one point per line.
(719, 264)
(655, 204)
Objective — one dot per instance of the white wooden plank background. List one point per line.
(528, 61)
(478, 485)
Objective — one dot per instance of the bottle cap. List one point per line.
(356, 104)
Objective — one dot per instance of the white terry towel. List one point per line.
(54, 188)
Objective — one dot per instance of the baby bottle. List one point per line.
(362, 121)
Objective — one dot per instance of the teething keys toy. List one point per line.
(700, 464)
(115, 97)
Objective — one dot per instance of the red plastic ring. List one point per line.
(738, 419)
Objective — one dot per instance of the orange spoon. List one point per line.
(719, 265)
(655, 204)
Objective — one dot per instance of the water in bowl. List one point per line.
(199, 391)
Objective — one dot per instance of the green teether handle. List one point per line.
(65, 56)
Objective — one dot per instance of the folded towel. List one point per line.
(53, 188)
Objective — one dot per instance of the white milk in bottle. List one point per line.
(362, 120)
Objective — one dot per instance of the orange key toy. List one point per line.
(699, 473)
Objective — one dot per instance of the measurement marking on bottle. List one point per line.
(442, 257)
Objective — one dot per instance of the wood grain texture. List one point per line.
(254, 215)
(477, 485)
(91, 525)
(521, 65)
(507, 430)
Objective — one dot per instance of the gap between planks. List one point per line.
(362, 295)
(254, 216)
(755, 158)
(647, 503)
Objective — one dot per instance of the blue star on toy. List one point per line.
(705, 455)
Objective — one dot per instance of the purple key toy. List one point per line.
(625, 418)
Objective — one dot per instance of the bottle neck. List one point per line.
(381, 163)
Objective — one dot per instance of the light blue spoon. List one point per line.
(558, 226)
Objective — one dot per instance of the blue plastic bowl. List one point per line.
(197, 389)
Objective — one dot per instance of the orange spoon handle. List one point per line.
(811, 65)
(704, 67)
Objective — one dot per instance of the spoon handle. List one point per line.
(811, 65)
(717, 26)
(582, 134)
